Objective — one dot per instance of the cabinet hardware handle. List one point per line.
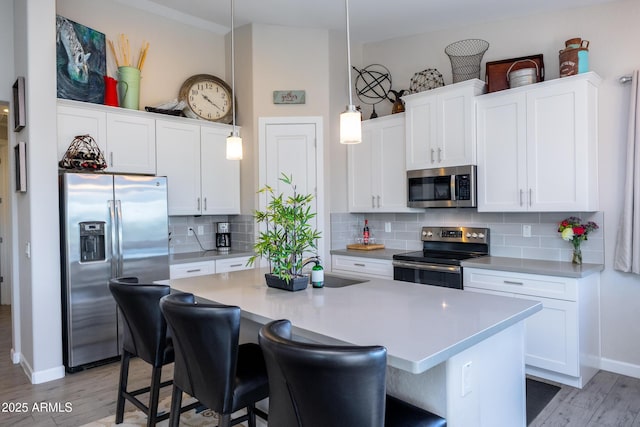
(378, 201)
(530, 196)
(236, 265)
(198, 203)
(432, 153)
(520, 197)
(439, 155)
(510, 282)
(111, 158)
(357, 264)
(373, 201)
(205, 203)
(194, 271)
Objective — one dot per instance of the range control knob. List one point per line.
(427, 234)
(474, 235)
(468, 235)
(481, 235)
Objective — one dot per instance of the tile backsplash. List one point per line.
(506, 235)
(242, 229)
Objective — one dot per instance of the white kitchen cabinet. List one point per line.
(440, 126)
(201, 181)
(538, 147)
(131, 144)
(200, 268)
(191, 269)
(225, 265)
(127, 140)
(220, 177)
(562, 340)
(377, 180)
(362, 266)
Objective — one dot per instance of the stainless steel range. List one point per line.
(443, 249)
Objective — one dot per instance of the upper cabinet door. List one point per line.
(131, 144)
(74, 121)
(178, 158)
(502, 146)
(220, 177)
(441, 126)
(538, 147)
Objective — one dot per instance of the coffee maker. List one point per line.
(223, 237)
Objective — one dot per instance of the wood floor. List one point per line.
(609, 400)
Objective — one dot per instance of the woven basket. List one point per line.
(465, 56)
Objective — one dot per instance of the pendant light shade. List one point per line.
(234, 147)
(350, 126)
(234, 142)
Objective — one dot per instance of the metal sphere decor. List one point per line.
(425, 80)
(373, 83)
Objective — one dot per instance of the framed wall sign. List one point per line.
(289, 97)
(20, 156)
(19, 111)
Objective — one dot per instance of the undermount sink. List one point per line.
(333, 281)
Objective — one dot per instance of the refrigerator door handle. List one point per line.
(119, 227)
(114, 238)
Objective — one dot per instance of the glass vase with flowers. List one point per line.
(573, 230)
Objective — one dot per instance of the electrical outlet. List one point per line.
(200, 230)
(190, 231)
(387, 227)
(526, 230)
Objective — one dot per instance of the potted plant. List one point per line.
(288, 235)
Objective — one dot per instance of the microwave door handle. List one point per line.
(453, 188)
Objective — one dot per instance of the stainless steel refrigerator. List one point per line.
(111, 226)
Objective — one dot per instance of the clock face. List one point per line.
(208, 97)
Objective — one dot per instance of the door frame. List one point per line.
(263, 122)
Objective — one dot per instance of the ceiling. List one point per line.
(370, 20)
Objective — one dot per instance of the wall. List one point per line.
(613, 31)
(176, 50)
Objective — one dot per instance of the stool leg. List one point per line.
(154, 394)
(122, 387)
(225, 420)
(251, 415)
(176, 404)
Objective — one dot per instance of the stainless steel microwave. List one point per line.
(453, 187)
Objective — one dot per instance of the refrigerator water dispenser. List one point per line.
(92, 243)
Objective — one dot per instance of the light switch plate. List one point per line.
(526, 230)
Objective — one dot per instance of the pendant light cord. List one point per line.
(346, 4)
(233, 72)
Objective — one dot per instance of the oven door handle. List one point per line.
(429, 267)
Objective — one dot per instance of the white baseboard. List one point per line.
(621, 368)
(39, 377)
(15, 357)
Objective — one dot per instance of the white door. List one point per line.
(288, 145)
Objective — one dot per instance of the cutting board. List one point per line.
(361, 247)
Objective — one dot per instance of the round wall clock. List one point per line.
(207, 97)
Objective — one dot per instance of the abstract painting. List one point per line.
(80, 61)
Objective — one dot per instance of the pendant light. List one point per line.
(234, 142)
(350, 126)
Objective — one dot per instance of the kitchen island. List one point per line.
(457, 354)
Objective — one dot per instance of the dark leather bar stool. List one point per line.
(210, 365)
(144, 336)
(314, 385)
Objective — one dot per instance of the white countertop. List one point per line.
(534, 266)
(421, 326)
